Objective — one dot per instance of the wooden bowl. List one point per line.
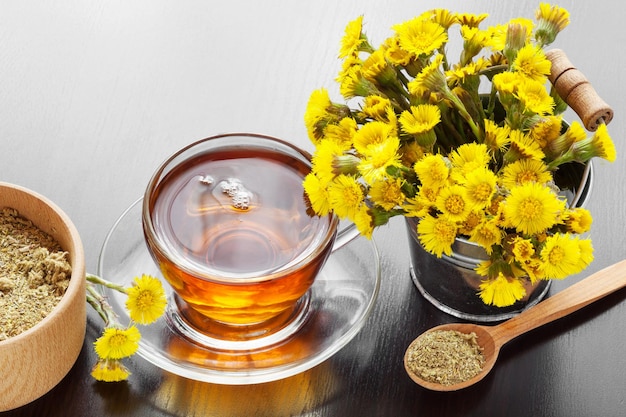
(34, 361)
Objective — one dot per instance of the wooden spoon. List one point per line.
(491, 339)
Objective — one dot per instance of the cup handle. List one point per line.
(345, 235)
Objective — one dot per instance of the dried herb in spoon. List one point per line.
(445, 357)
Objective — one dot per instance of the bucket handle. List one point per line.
(574, 88)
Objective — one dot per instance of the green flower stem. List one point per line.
(100, 305)
(491, 105)
(101, 281)
(401, 77)
(458, 104)
(448, 133)
(562, 159)
(365, 45)
(398, 97)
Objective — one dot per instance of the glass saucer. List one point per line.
(336, 308)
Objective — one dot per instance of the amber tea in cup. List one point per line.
(226, 220)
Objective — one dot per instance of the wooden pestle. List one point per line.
(577, 91)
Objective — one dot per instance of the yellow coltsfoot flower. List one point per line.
(532, 208)
(146, 300)
(107, 370)
(501, 291)
(117, 343)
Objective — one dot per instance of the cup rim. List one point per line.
(150, 233)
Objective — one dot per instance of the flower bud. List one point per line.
(515, 40)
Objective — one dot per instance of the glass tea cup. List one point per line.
(226, 220)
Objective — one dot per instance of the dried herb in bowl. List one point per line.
(34, 274)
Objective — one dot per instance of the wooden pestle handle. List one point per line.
(577, 91)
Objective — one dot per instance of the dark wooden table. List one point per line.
(95, 94)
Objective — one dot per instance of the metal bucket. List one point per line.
(450, 282)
